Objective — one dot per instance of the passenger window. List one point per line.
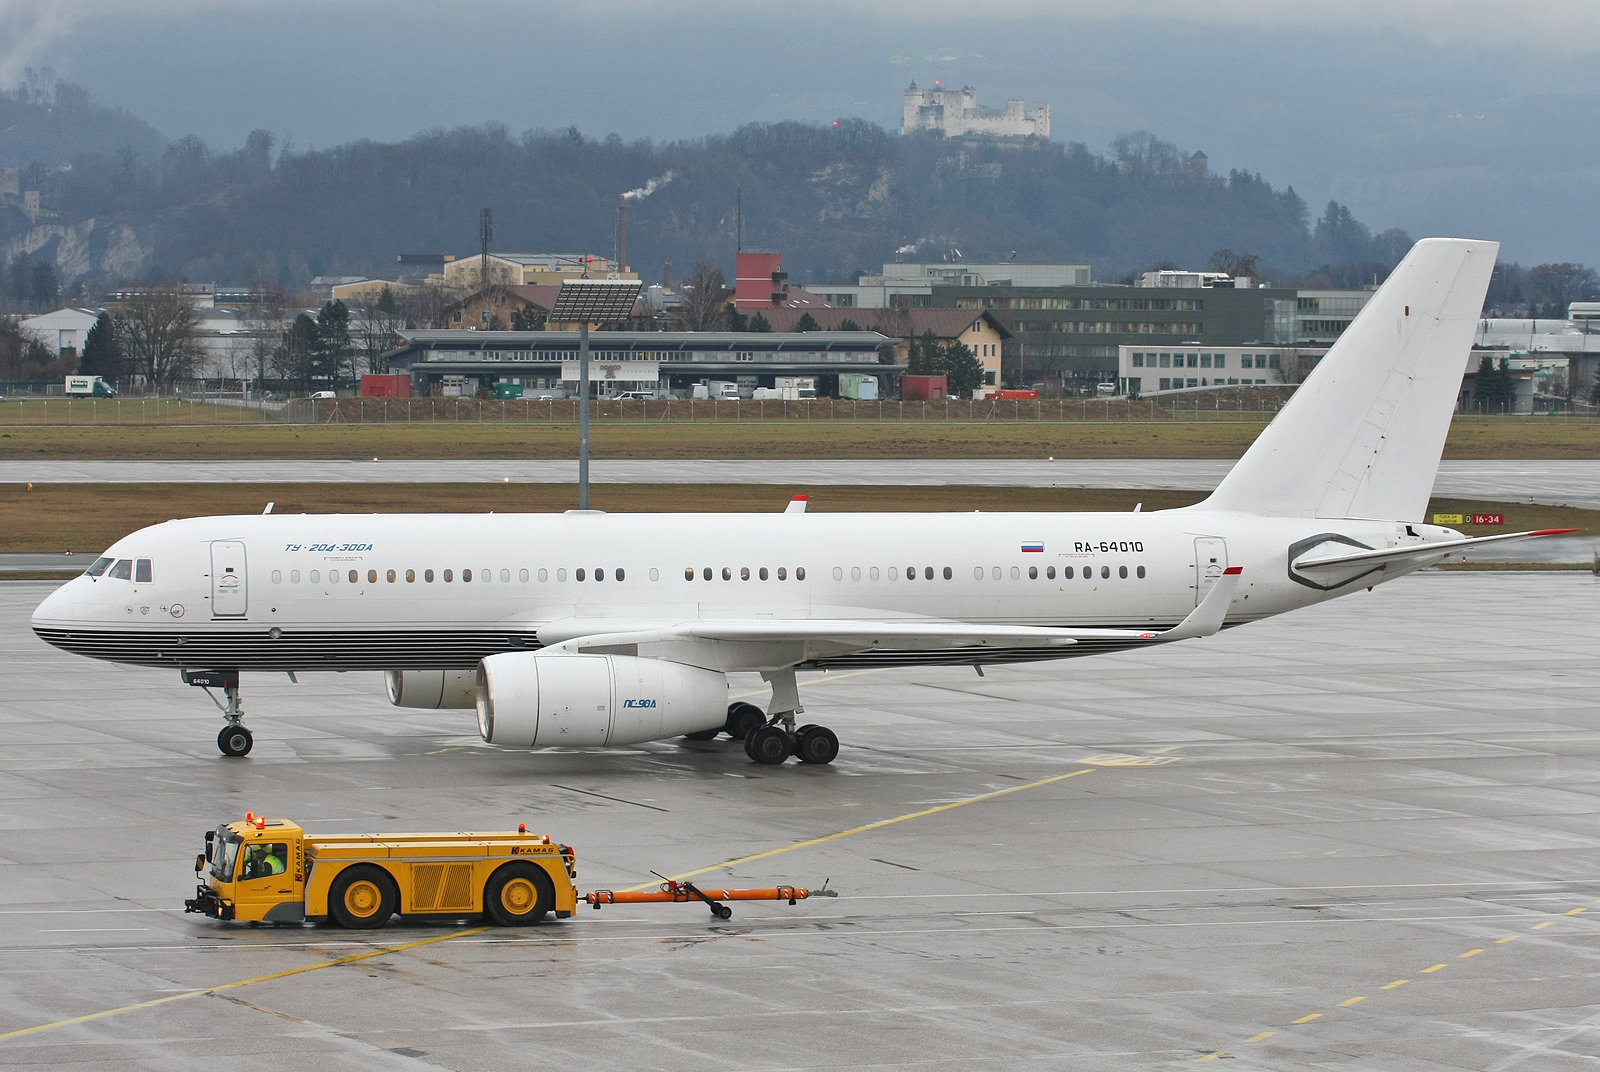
(141, 571)
(744, 573)
(427, 575)
(838, 574)
(688, 573)
(894, 574)
(100, 566)
(561, 574)
(727, 574)
(1016, 573)
(620, 575)
(763, 573)
(391, 577)
(356, 577)
(277, 576)
(1066, 573)
(505, 575)
(655, 574)
(544, 575)
(448, 576)
(873, 573)
(1088, 573)
(599, 574)
(977, 573)
(1105, 572)
(855, 573)
(123, 570)
(411, 576)
(995, 573)
(466, 575)
(372, 576)
(927, 573)
(911, 573)
(522, 575)
(578, 573)
(1050, 572)
(294, 576)
(1122, 571)
(706, 573)
(783, 574)
(486, 575)
(948, 573)
(799, 573)
(316, 577)
(1033, 573)
(1141, 573)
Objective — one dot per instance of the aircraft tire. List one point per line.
(769, 745)
(702, 735)
(235, 741)
(743, 719)
(816, 744)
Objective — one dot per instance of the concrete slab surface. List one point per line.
(1574, 482)
(1363, 836)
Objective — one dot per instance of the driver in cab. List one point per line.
(264, 861)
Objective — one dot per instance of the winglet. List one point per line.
(1208, 617)
(797, 505)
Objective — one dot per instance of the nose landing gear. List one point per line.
(234, 740)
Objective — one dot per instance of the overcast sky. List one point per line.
(1437, 116)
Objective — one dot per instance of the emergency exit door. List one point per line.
(229, 585)
(1210, 560)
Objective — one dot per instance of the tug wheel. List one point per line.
(518, 894)
(362, 897)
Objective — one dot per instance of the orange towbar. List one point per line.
(674, 892)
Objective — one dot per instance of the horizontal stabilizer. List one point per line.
(1329, 558)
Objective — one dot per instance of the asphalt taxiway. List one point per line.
(1366, 835)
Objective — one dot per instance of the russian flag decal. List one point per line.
(1034, 548)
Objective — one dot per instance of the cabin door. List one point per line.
(229, 587)
(1210, 559)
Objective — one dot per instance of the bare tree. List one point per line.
(424, 307)
(1565, 282)
(1236, 264)
(265, 321)
(374, 329)
(705, 295)
(161, 331)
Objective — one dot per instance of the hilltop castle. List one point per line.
(955, 113)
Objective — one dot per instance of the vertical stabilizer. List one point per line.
(1362, 436)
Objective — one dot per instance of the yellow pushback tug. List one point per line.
(271, 870)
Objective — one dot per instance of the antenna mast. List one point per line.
(485, 236)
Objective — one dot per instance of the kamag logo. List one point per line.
(638, 703)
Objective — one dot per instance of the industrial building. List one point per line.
(465, 362)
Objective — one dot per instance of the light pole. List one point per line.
(587, 301)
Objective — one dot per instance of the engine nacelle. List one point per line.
(531, 700)
(430, 688)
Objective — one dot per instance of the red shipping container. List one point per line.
(396, 385)
(923, 388)
(1015, 394)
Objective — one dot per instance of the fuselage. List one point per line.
(442, 591)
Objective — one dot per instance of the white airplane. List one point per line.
(592, 629)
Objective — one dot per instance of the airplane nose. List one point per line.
(57, 607)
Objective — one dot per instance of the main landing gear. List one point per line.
(770, 737)
(234, 740)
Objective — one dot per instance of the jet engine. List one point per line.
(430, 688)
(532, 700)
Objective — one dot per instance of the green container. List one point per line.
(508, 390)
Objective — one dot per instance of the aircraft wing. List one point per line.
(837, 635)
(1330, 559)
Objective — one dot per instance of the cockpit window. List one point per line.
(141, 570)
(99, 567)
(123, 570)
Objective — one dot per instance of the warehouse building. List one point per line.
(465, 362)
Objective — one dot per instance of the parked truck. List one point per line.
(858, 386)
(90, 386)
(271, 870)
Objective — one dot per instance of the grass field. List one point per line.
(1469, 438)
(90, 517)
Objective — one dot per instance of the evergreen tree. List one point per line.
(760, 323)
(43, 286)
(807, 322)
(962, 369)
(923, 360)
(102, 351)
(330, 349)
(294, 356)
(849, 325)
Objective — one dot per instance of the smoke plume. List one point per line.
(649, 188)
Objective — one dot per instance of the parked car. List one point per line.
(323, 394)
